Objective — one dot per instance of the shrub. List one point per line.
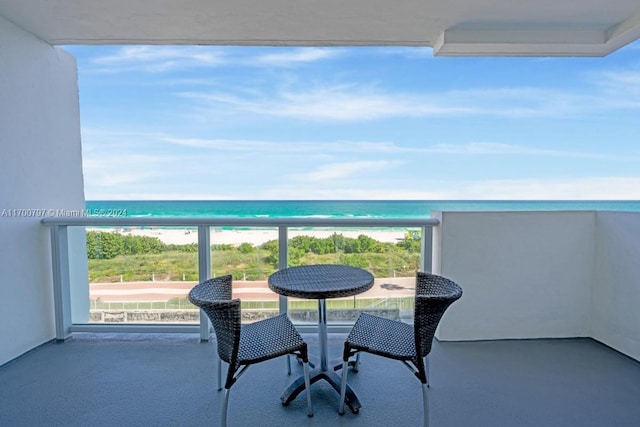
(246, 248)
(103, 245)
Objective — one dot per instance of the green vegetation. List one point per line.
(114, 257)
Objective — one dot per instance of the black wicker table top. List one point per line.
(320, 281)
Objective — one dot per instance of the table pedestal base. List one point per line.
(318, 374)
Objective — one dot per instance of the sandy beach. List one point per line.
(181, 236)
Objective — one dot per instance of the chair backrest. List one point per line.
(216, 289)
(434, 294)
(213, 296)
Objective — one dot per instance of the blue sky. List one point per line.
(202, 122)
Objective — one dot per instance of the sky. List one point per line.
(291, 123)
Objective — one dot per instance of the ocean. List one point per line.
(339, 208)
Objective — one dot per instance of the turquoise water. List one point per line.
(339, 209)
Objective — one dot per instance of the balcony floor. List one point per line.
(169, 380)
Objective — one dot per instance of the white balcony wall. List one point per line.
(616, 295)
(524, 274)
(40, 168)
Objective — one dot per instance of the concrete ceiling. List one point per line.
(451, 27)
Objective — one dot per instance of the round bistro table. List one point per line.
(321, 281)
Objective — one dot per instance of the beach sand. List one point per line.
(181, 236)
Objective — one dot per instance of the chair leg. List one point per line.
(343, 386)
(425, 404)
(356, 363)
(288, 364)
(225, 405)
(219, 374)
(426, 369)
(307, 387)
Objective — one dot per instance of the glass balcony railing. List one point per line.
(134, 274)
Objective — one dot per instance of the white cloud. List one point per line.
(159, 53)
(341, 170)
(407, 52)
(344, 103)
(338, 184)
(213, 156)
(347, 103)
(618, 89)
(111, 159)
(296, 56)
(222, 144)
(332, 103)
(621, 88)
(623, 78)
(385, 147)
(593, 188)
(156, 59)
(346, 193)
(291, 147)
(156, 194)
(159, 59)
(361, 102)
(492, 148)
(111, 170)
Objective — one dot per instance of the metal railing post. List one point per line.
(426, 249)
(61, 285)
(204, 273)
(283, 261)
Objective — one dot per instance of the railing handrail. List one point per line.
(230, 221)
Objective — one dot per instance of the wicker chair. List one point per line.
(222, 289)
(242, 346)
(409, 344)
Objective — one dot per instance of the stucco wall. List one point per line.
(616, 295)
(40, 168)
(524, 274)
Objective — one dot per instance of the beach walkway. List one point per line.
(392, 287)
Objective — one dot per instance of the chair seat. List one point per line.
(266, 339)
(384, 337)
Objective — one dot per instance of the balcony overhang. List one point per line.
(541, 39)
(454, 28)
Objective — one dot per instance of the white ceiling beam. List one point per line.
(623, 33)
(521, 42)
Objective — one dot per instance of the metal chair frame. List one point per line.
(400, 341)
(243, 345)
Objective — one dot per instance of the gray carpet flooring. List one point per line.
(169, 380)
